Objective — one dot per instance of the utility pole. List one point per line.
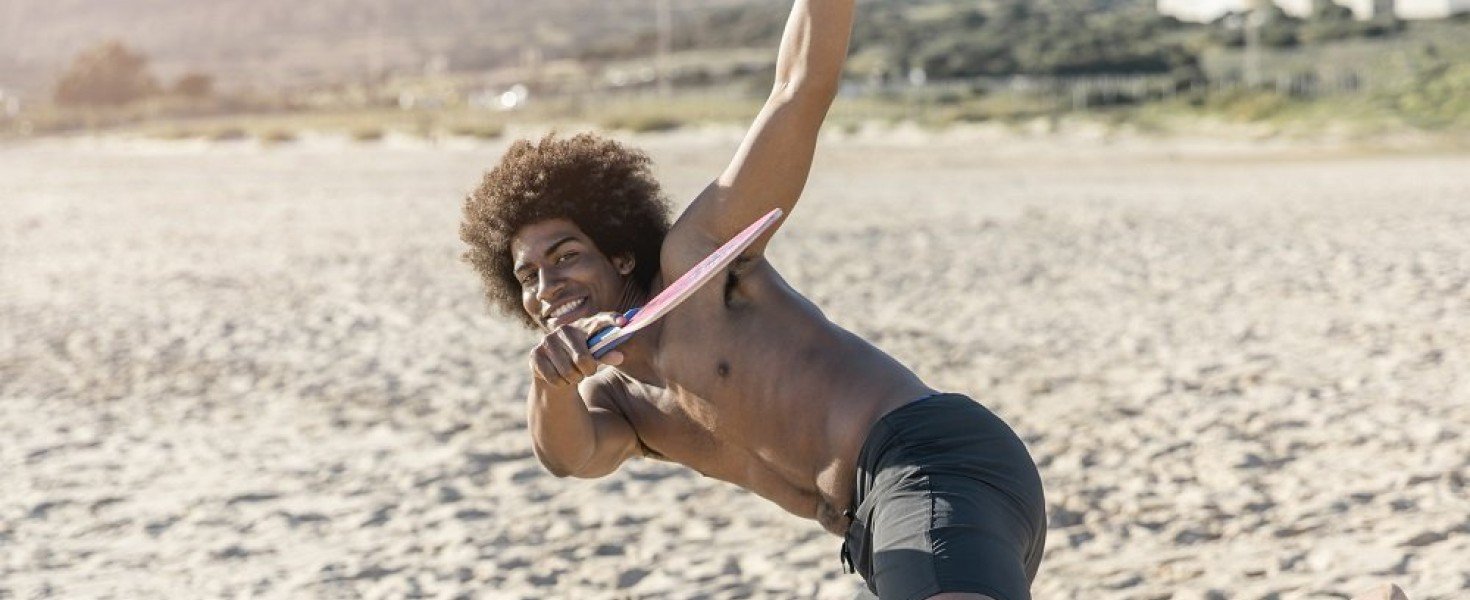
(665, 41)
(1255, 17)
(377, 61)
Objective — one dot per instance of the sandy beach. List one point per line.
(233, 370)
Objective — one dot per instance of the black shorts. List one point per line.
(947, 500)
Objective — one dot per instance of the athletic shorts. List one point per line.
(947, 500)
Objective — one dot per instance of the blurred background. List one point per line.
(1208, 258)
(226, 68)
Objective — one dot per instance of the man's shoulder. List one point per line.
(683, 248)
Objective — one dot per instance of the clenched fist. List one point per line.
(562, 358)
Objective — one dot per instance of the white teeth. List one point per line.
(565, 308)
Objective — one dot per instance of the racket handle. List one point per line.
(607, 331)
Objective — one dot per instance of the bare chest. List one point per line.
(708, 367)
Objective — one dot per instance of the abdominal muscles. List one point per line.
(778, 397)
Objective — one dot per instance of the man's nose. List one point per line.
(548, 286)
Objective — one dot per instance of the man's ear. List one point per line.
(624, 263)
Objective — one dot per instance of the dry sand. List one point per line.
(236, 371)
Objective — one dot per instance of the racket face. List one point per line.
(685, 286)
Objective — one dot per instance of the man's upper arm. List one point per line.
(770, 167)
(615, 439)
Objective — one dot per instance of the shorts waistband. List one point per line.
(883, 429)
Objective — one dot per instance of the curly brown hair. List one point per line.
(603, 187)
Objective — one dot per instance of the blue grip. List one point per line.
(606, 331)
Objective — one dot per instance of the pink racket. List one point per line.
(682, 288)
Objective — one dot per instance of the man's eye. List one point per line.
(566, 257)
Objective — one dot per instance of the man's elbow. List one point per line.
(808, 101)
(804, 90)
(557, 468)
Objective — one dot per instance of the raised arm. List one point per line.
(770, 168)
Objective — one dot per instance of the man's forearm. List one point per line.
(814, 47)
(562, 433)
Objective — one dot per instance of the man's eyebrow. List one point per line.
(549, 250)
(558, 244)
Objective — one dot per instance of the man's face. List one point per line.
(563, 275)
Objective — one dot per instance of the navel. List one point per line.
(723, 368)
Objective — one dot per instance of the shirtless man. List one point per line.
(747, 381)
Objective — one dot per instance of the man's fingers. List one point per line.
(598, 322)
(543, 368)
(563, 357)
(565, 369)
(585, 363)
(574, 343)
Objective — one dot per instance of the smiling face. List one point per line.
(563, 275)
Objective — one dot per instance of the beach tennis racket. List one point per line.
(608, 338)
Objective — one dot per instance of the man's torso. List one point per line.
(751, 384)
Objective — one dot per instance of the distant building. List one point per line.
(1201, 10)
(1209, 10)
(9, 105)
(1430, 9)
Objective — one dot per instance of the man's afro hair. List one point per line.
(603, 187)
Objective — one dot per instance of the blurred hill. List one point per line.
(940, 60)
(286, 43)
(275, 43)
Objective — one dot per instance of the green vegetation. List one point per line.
(955, 38)
(960, 40)
(1439, 94)
(932, 62)
(1328, 22)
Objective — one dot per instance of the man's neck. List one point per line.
(632, 295)
(638, 351)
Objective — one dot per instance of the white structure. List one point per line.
(1209, 10)
(1431, 9)
(9, 105)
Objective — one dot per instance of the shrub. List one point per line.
(482, 131)
(642, 123)
(278, 136)
(1441, 95)
(367, 134)
(1248, 105)
(227, 134)
(176, 133)
(109, 74)
(195, 86)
